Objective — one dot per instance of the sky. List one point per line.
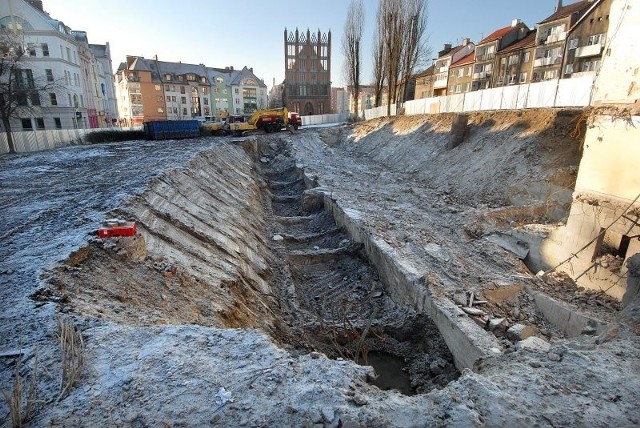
(251, 33)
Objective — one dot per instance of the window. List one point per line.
(166, 88)
(523, 78)
(573, 43)
(39, 123)
(460, 72)
(568, 69)
(182, 91)
(590, 65)
(173, 98)
(160, 110)
(158, 87)
(57, 122)
(160, 98)
(183, 100)
(180, 78)
(184, 111)
(31, 49)
(49, 73)
(503, 61)
(207, 112)
(22, 99)
(596, 39)
(68, 54)
(167, 77)
(237, 91)
(527, 57)
(206, 101)
(203, 79)
(26, 124)
(205, 90)
(53, 99)
(191, 77)
(35, 98)
(45, 49)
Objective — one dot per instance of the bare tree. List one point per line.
(19, 89)
(400, 44)
(379, 71)
(416, 50)
(353, 29)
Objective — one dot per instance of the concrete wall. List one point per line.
(605, 213)
(467, 342)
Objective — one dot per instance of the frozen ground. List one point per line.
(215, 313)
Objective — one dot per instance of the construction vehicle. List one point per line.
(269, 120)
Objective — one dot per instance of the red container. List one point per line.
(115, 227)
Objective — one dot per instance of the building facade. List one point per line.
(149, 89)
(551, 37)
(488, 48)
(307, 84)
(446, 57)
(69, 70)
(515, 62)
(586, 40)
(461, 75)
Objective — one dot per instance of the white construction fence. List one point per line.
(320, 119)
(575, 92)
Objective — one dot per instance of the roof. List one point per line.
(567, 10)
(496, 35)
(528, 41)
(452, 51)
(464, 60)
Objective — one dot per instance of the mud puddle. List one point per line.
(341, 305)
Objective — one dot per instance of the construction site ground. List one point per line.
(249, 296)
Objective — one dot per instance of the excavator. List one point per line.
(269, 120)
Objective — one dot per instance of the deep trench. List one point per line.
(336, 303)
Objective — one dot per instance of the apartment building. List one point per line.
(515, 62)
(447, 56)
(61, 61)
(149, 89)
(461, 74)
(247, 91)
(424, 83)
(487, 49)
(551, 37)
(586, 40)
(307, 84)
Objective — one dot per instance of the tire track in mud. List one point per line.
(340, 305)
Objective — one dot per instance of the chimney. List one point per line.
(155, 57)
(559, 5)
(465, 41)
(447, 46)
(515, 22)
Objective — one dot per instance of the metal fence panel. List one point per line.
(491, 99)
(472, 101)
(574, 92)
(510, 97)
(542, 94)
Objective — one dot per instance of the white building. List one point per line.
(57, 57)
(248, 93)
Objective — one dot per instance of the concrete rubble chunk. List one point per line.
(474, 311)
(533, 343)
(519, 332)
(277, 238)
(498, 326)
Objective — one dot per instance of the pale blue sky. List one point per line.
(250, 32)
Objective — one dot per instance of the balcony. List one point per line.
(543, 62)
(555, 38)
(590, 50)
(481, 75)
(441, 83)
(485, 57)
